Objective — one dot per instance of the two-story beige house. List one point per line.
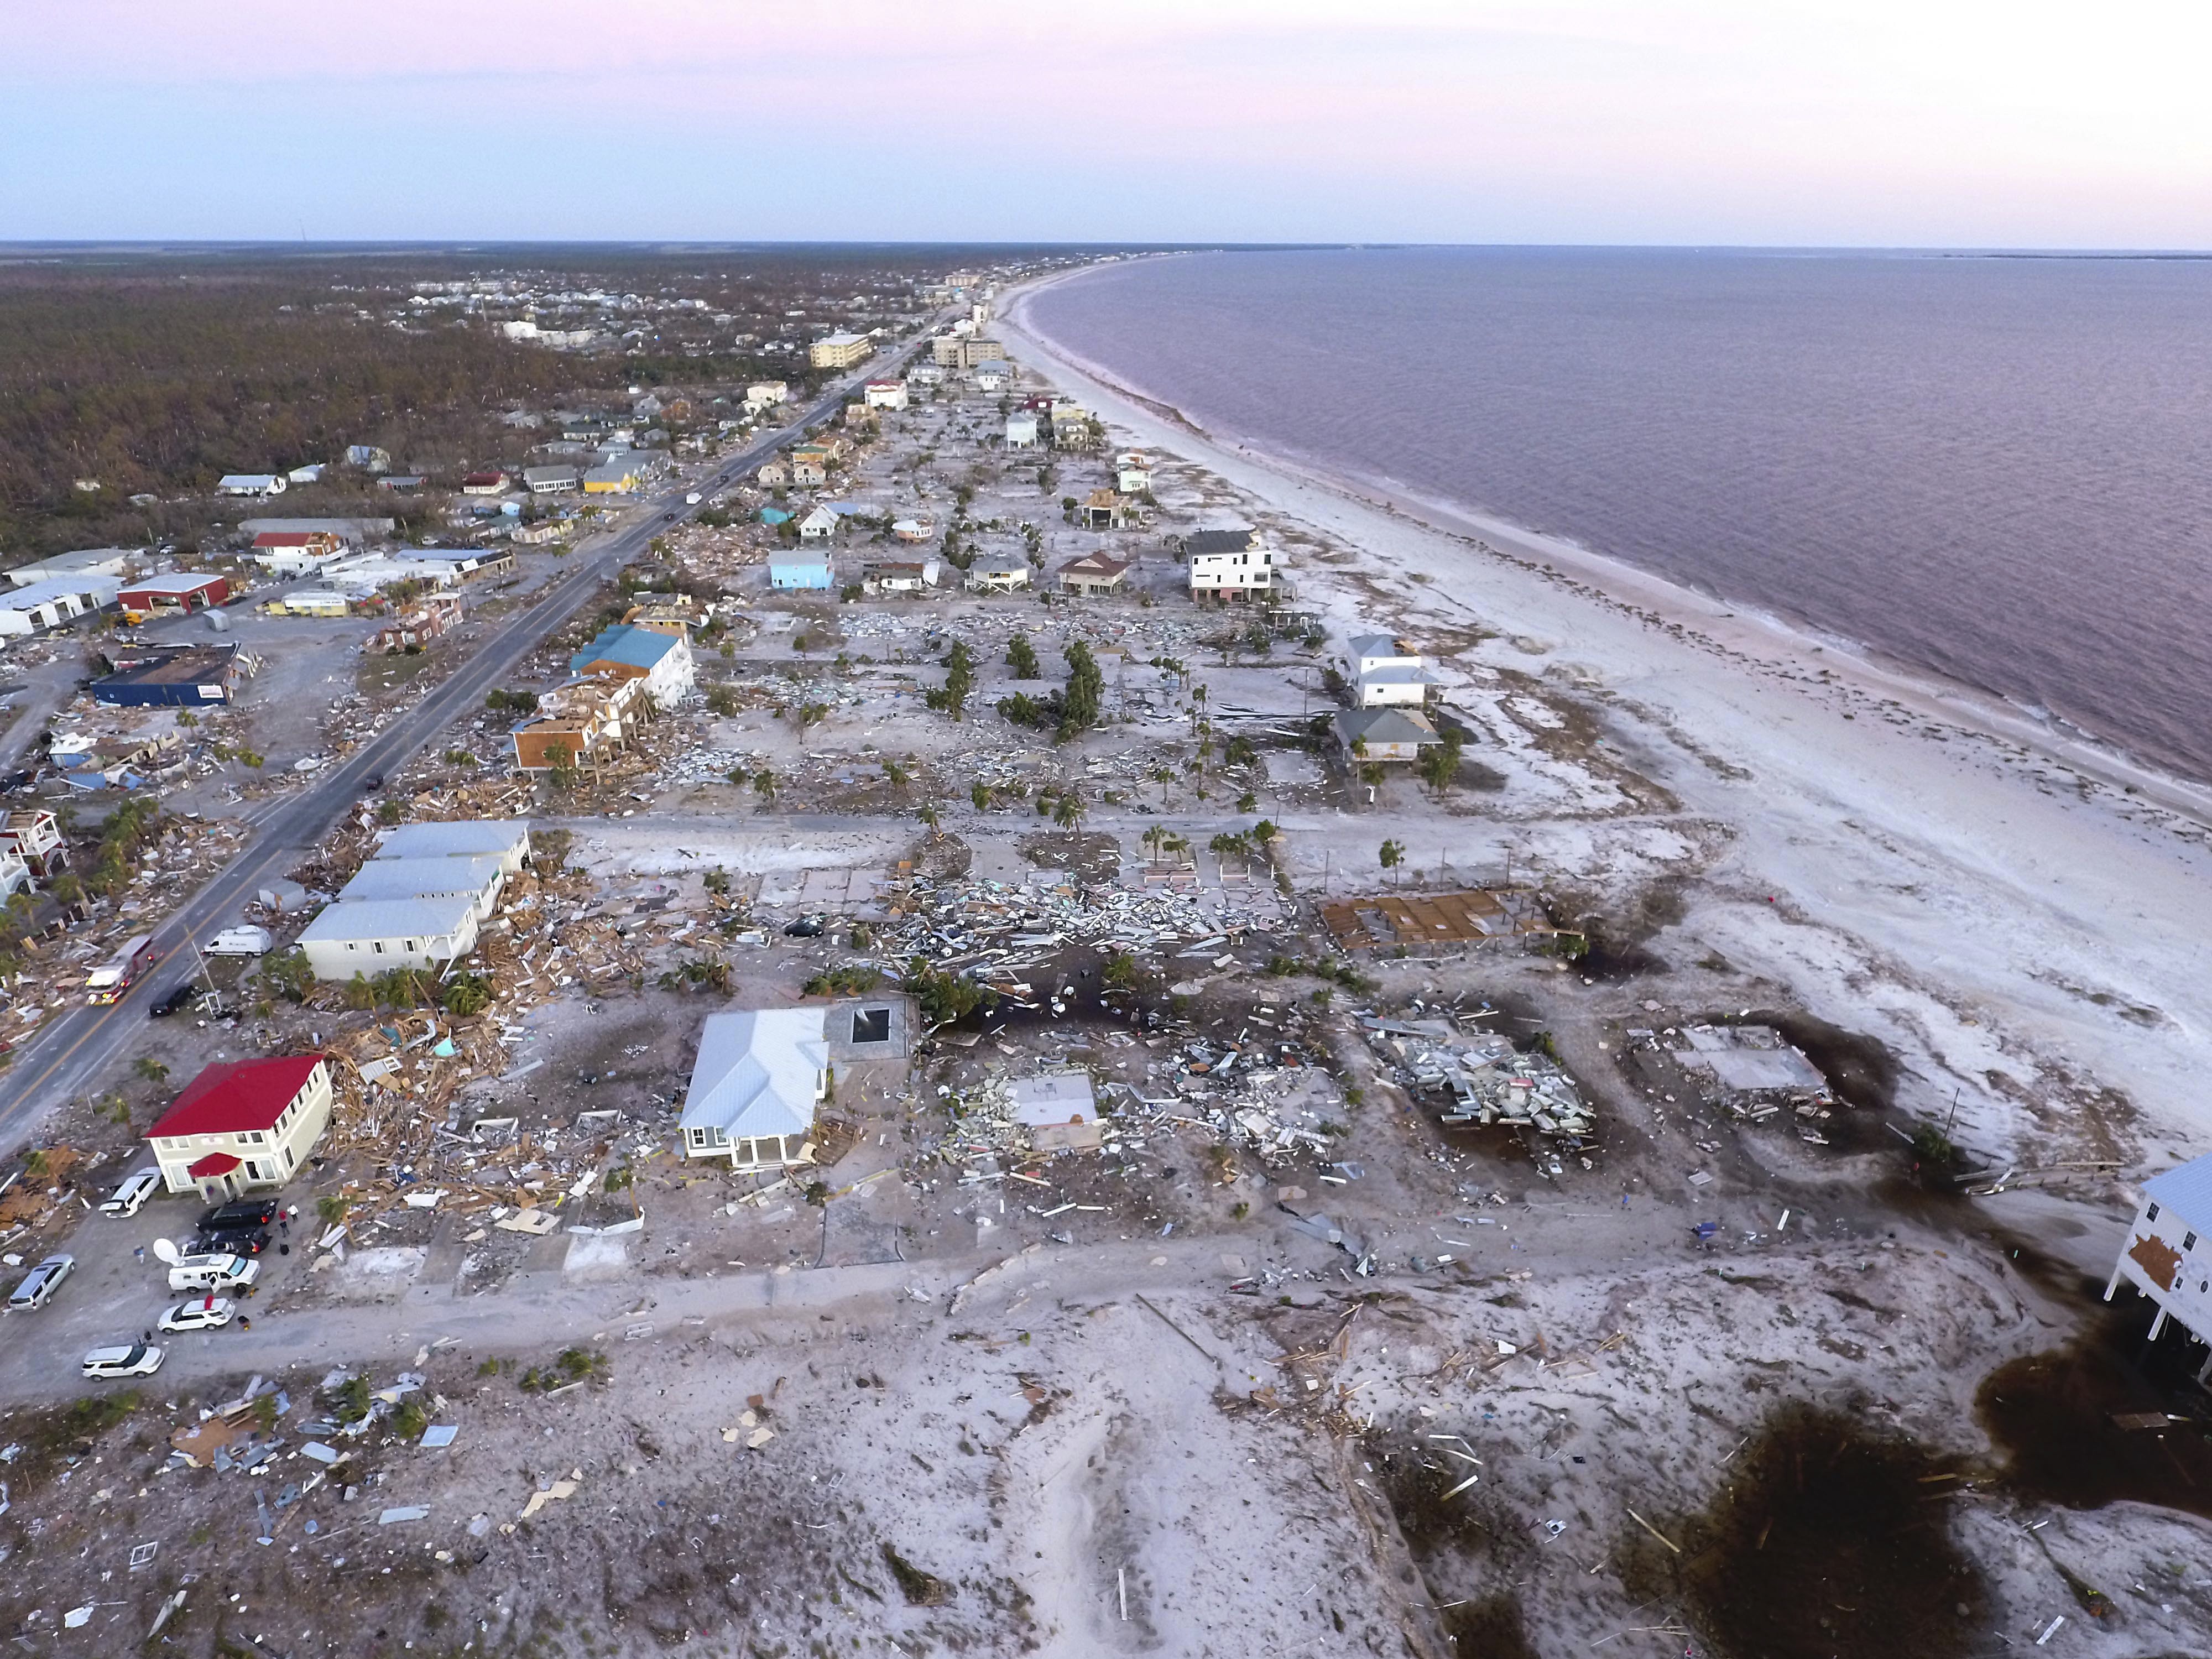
(243, 1126)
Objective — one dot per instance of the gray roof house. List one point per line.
(760, 1073)
(997, 573)
(508, 837)
(1384, 734)
(371, 937)
(476, 876)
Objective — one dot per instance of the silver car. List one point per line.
(39, 1286)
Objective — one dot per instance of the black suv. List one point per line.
(241, 1217)
(176, 1002)
(238, 1241)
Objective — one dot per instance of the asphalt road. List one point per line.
(69, 1052)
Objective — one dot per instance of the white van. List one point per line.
(130, 1197)
(241, 942)
(212, 1272)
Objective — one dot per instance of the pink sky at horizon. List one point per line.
(1793, 122)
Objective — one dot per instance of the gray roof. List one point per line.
(93, 560)
(416, 840)
(1375, 644)
(1203, 541)
(2186, 1189)
(309, 526)
(1384, 725)
(756, 1073)
(422, 877)
(414, 918)
(101, 588)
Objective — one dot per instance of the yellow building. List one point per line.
(841, 351)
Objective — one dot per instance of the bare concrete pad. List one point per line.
(593, 1256)
(376, 1274)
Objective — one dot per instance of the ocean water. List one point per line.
(1999, 469)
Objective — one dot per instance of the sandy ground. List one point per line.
(2020, 916)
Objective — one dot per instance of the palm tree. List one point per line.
(765, 786)
(1393, 855)
(1068, 815)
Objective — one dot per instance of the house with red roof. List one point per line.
(243, 1126)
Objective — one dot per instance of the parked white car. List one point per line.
(212, 1272)
(201, 1313)
(139, 1359)
(39, 1284)
(130, 1197)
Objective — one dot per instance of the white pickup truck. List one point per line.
(241, 942)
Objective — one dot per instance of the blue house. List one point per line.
(659, 655)
(797, 569)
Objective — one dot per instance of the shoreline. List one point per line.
(1788, 641)
(2015, 916)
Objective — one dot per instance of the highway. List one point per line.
(68, 1053)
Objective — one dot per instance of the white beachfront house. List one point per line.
(760, 1075)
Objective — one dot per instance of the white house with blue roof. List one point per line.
(2168, 1255)
(630, 651)
(760, 1075)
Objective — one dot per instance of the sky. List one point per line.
(1882, 122)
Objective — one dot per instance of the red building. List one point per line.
(179, 591)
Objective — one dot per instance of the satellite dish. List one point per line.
(167, 1251)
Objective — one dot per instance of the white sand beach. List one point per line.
(2018, 916)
